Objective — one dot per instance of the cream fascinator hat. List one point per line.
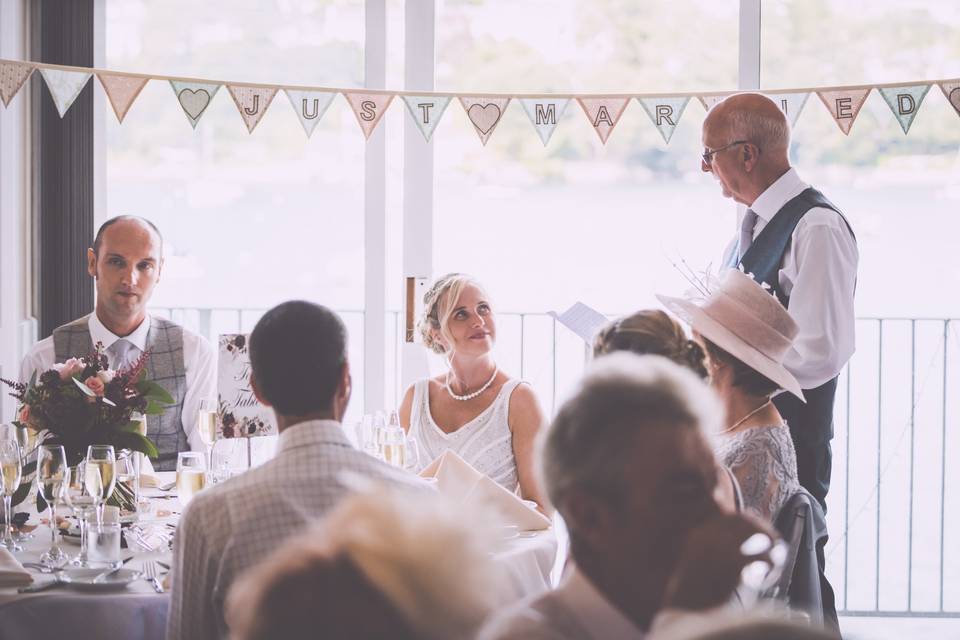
(744, 320)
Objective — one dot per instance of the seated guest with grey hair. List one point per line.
(627, 465)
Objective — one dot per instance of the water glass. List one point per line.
(101, 475)
(104, 544)
(191, 475)
(75, 494)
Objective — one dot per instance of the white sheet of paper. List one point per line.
(582, 320)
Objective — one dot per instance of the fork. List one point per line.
(151, 575)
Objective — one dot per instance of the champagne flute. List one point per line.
(100, 476)
(191, 475)
(128, 480)
(51, 468)
(10, 470)
(79, 499)
(207, 427)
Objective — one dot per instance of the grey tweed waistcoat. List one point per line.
(164, 366)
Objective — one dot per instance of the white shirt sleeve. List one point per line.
(819, 273)
(39, 358)
(200, 362)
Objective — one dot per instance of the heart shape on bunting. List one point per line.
(194, 98)
(484, 114)
(951, 91)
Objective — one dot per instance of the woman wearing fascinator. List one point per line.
(474, 409)
(746, 333)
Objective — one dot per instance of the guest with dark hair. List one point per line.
(299, 367)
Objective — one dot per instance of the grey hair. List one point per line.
(769, 133)
(623, 397)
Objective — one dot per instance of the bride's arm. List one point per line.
(526, 418)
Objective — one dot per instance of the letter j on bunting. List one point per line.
(310, 106)
(252, 102)
(904, 102)
(369, 108)
(603, 114)
(544, 114)
(844, 105)
(12, 77)
(484, 114)
(664, 113)
(194, 98)
(426, 112)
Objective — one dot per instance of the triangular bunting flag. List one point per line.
(951, 90)
(252, 102)
(484, 114)
(65, 86)
(12, 77)
(121, 91)
(665, 113)
(310, 106)
(194, 98)
(709, 102)
(544, 114)
(603, 113)
(369, 108)
(790, 103)
(426, 111)
(844, 105)
(904, 102)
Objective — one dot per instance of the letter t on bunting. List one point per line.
(544, 114)
(12, 77)
(426, 111)
(310, 106)
(484, 114)
(603, 113)
(844, 105)
(369, 108)
(904, 102)
(252, 102)
(664, 113)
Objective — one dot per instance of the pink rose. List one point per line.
(70, 368)
(95, 384)
(106, 376)
(24, 416)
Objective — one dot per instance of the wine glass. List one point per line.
(128, 480)
(51, 468)
(10, 470)
(100, 476)
(207, 427)
(77, 496)
(191, 475)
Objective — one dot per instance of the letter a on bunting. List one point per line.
(484, 114)
(65, 86)
(369, 108)
(544, 114)
(121, 91)
(426, 112)
(310, 106)
(252, 102)
(664, 113)
(904, 102)
(12, 77)
(603, 114)
(844, 105)
(790, 103)
(194, 98)
(951, 90)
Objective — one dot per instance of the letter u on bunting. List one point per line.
(544, 114)
(951, 90)
(65, 86)
(252, 102)
(369, 108)
(790, 103)
(904, 102)
(194, 98)
(310, 106)
(12, 77)
(665, 113)
(844, 105)
(121, 91)
(484, 114)
(426, 111)
(603, 114)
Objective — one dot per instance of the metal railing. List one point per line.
(894, 502)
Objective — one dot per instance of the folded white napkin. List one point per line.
(457, 480)
(12, 573)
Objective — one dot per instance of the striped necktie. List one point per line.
(124, 352)
(746, 233)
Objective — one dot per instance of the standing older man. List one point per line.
(125, 262)
(627, 465)
(795, 240)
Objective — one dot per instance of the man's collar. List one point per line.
(99, 333)
(786, 187)
(312, 432)
(595, 613)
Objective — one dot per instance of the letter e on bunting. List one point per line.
(252, 102)
(121, 91)
(544, 114)
(426, 112)
(64, 86)
(603, 114)
(790, 103)
(844, 105)
(369, 108)
(904, 102)
(665, 113)
(194, 98)
(951, 90)
(310, 106)
(12, 77)
(484, 113)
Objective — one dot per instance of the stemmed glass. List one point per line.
(51, 470)
(10, 470)
(128, 479)
(207, 426)
(100, 476)
(77, 496)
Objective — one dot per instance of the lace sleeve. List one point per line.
(757, 460)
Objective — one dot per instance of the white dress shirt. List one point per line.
(819, 273)
(199, 361)
(232, 526)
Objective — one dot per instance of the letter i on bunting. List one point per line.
(65, 86)
(951, 90)
(664, 113)
(369, 108)
(310, 106)
(603, 113)
(12, 77)
(904, 102)
(252, 102)
(484, 113)
(790, 103)
(426, 112)
(844, 105)
(543, 114)
(121, 91)
(194, 98)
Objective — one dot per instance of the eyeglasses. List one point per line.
(707, 155)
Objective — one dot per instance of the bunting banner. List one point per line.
(310, 106)
(484, 111)
(121, 91)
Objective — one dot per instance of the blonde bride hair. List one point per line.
(438, 305)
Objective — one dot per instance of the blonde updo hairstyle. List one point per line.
(438, 305)
(652, 332)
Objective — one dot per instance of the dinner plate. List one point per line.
(82, 579)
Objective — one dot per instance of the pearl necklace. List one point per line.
(747, 417)
(471, 396)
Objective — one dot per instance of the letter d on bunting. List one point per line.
(904, 102)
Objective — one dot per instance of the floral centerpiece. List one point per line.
(82, 402)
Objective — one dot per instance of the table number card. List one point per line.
(241, 414)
